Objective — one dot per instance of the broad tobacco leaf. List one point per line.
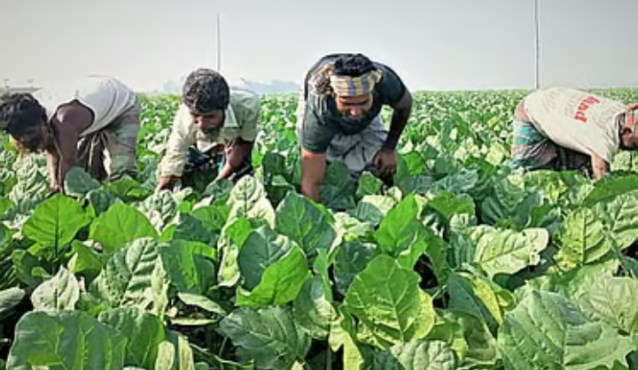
(613, 300)
(481, 351)
(134, 277)
(61, 292)
(144, 332)
(387, 299)
(189, 266)
(269, 335)
(401, 234)
(55, 221)
(582, 240)
(69, 340)
(305, 223)
(159, 209)
(338, 189)
(474, 295)
(351, 259)
(248, 199)
(508, 251)
(119, 225)
(261, 249)
(619, 217)
(280, 283)
(416, 355)
(373, 208)
(312, 309)
(78, 182)
(233, 237)
(548, 331)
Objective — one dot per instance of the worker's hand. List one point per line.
(386, 161)
(165, 182)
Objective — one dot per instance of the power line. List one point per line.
(537, 43)
(219, 44)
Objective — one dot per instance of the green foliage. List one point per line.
(463, 264)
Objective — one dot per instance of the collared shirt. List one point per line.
(242, 121)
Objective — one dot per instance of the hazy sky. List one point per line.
(444, 44)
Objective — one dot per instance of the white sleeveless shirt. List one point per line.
(107, 97)
(577, 120)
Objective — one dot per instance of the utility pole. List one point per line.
(219, 44)
(537, 77)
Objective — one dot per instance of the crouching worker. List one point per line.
(214, 130)
(92, 124)
(564, 129)
(339, 118)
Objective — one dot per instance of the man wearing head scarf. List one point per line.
(92, 123)
(214, 131)
(339, 118)
(565, 129)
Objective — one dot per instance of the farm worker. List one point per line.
(216, 124)
(91, 123)
(339, 118)
(561, 128)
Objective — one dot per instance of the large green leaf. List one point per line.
(582, 240)
(270, 336)
(159, 209)
(55, 221)
(613, 300)
(416, 355)
(144, 332)
(472, 294)
(303, 222)
(233, 238)
(78, 182)
(619, 217)
(133, 277)
(351, 259)
(66, 340)
(482, 351)
(374, 208)
(312, 309)
(119, 225)
(261, 249)
(61, 292)
(508, 251)
(189, 266)
(548, 331)
(388, 300)
(401, 234)
(280, 283)
(248, 199)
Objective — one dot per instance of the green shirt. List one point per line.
(322, 121)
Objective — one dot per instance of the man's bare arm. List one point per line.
(68, 124)
(235, 157)
(400, 117)
(313, 168)
(599, 166)
(52, 159)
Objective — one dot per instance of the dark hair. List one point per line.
(19, 112)
(206, 90)
(353, 65)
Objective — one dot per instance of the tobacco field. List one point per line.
(463, 264)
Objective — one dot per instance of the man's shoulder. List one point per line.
(243, 97)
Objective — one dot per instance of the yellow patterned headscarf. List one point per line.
(355, 86)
